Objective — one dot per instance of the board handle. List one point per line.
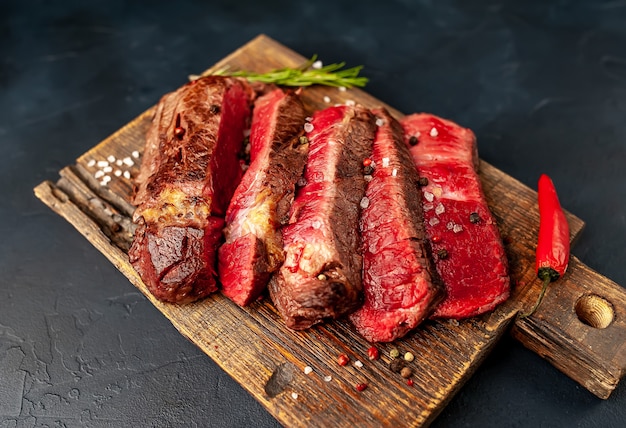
(580, 327)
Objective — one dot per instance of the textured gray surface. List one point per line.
(542, 84)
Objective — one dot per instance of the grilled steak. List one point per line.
(400, 283)
(189, 172)
(254, 246)
(321, 275)
(466, 244)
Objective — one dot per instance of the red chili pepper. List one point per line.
(553, 245)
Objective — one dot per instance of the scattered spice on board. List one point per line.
(343, 359)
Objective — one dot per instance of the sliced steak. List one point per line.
(400, 283)
(189, 172)
(321, 275)
(260, 206)
(466, 243)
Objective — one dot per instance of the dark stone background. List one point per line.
(543, 84)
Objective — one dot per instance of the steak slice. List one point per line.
(260, 206)
(400, 282)
(189, 171)
(466, 243)
(321, 275)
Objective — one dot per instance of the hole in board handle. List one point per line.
(595, 311)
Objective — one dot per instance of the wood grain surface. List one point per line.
(582, 335)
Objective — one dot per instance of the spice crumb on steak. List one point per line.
(400, 283)
(188, 174)
(321, 275)
(254, 248)
(466, 244)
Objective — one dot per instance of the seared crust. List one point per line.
(189, 172)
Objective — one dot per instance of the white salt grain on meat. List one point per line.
(128, 161)
(365, 202)
(308, 370)
(135, 154)
(119, 162)
(102, 164)
(117, 173)
(394, 172)
(358, 364)
(126, 175)
(457, 228)
(328, 378)
(326, 99)
(99, 174)
(350, 103)
(434, 132)
(385, 162)
(91, 163)
(107, 169)
(380, 122)
(440, 209)
(294, 395)
(342, 88)
(111, 158)
(429, 196)
(433, 221)
(308, 127)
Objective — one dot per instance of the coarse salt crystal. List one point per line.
(440, 209)
(367, 178)
(380, 122)
(428, 207)
(119, 162)
(128, 161)
(103, 183)
(126, 175)
(385, 162)
(450, 225)
(365, 202)
(350, 103)
(358, 364)
(317, 65)
(342, 88)
(457, 228)
(418, 134)
(308, 127)
(326, 99)
(328, 378)
(429, 196)
(433, 221)
(308, 370)
(394, 172)
(111, 158)
(107, 169)
(99, 174)
(106, 179)
(316, 224)
(294, 395)
(118, 173)
(91, 163)
(434, 132)
(102, 164)
(308, 119)
(135, 154)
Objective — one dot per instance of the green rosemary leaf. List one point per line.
(329, 75)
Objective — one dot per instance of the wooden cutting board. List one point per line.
(580, 327)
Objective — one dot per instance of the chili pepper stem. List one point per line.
(544, 287)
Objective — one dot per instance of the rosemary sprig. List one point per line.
(305, 75)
